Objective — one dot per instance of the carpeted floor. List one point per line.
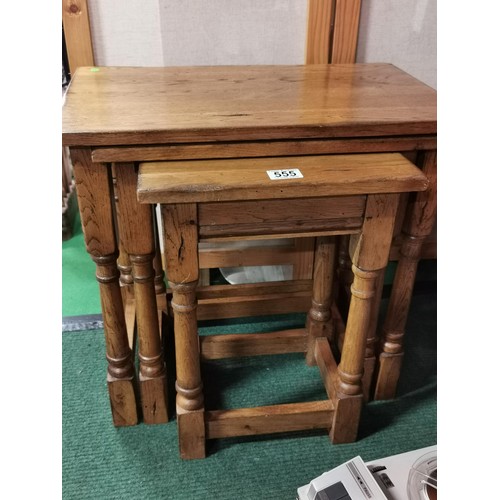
(142, 462)
(104, 462)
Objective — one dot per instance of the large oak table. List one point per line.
(115, 117)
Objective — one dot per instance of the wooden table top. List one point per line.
(106, 106)
(247, 178)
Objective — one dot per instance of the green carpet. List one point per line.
(80, 290)
(104, 462)
(142, 462)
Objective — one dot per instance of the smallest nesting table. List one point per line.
(322, 196)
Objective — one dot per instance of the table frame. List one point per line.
(307, 110)
(93, 178)
(213, 200)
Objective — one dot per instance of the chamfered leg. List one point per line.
(421, 214)
(137, 234)
(370, 251)
(93, 185)
(181, 252)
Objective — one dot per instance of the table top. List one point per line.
(239, 179)
(106, 106)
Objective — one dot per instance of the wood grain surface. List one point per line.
(345, 31)
(75, 19)
(319, 30)
(119, 105)
(263, 148)
(246, 179)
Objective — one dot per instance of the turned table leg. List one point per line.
(137, 233)
(418, 225)
(344, 276)
(319, 319)
(125, 268)
(124, 265)
(93, 186)
(160, 287)
(370, 251)
(181, 252)
(372, 338)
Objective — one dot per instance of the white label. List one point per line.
(288, 173)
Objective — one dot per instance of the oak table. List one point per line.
(355, 195)
(115, 117)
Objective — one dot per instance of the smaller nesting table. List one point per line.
(322, 196)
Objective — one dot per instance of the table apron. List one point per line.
(160, 152)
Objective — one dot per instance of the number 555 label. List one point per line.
(290, 173)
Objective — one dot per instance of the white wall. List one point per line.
(201, 32)
(126, 32)
(213, 32)
(197, 32)
(402, 32)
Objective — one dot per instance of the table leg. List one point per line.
(137, 233)
(418, 225)
(342, 287)
(125, 268)
(370, 251)
(372, 338)
(181, 252)
(344, 275)
(319, 319)
(124, 265)
(160, 287)
(93, 186)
